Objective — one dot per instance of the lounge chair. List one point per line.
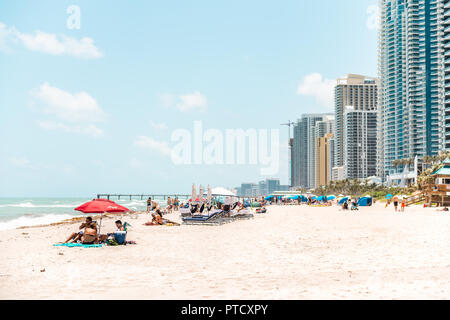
(214, 218)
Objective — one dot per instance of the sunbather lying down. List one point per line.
(159, 221)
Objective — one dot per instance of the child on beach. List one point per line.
(403, 204)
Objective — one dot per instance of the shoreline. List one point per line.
(289, 253)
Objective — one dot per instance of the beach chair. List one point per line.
(214, 218)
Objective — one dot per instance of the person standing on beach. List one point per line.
(149, 204)
(169, 205)
(403, 204)
(396, 204)
(176, 204)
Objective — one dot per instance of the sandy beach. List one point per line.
(290, 253)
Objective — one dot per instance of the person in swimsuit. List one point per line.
(169, 205)
(158, 219)
(403, 204)
(396, 204)
(388, 203)
(176, 204)
(154, 205)
(74, 237)
(90, 235)
(149, 204)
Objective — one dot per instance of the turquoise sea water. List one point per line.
(20, 212)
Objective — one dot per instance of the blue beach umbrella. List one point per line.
(343, 200)
(331, 198)
(389, 196)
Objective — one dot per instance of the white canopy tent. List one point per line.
(222, 192)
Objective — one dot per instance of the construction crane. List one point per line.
(289, 125)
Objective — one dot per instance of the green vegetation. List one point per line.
(356, 188)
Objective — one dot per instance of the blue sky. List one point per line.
(75, 101)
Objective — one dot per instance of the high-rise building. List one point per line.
(361, 93)
(306, 130)
(360, 141)
(246, 189)
(414, 68)
(323, 157)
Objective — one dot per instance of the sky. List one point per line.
(91, 92)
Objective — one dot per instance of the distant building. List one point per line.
(361, 93)
(323, 157)
(262, 188)
(360, 142)
(246, 189)
(338, 173)
(307, 129)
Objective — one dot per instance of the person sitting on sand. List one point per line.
(120, 226)
(443, 209)
(74, 237)
(345, 206)
(90, 234)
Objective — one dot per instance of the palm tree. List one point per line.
(396, 164)
(403, 163)
(426, 160)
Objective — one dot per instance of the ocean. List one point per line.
(24, 212)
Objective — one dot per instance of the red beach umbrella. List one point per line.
(101, 206)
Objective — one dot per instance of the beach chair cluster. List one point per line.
(214, 217)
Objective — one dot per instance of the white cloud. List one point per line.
(89, 129)
(78, 107)
(186, 102)
(159, 126)
(152, 144)
(316, 86)
(49, 43)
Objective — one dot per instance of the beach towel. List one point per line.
(78, 245)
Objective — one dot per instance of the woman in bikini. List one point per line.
(90, 235)
(158, 219)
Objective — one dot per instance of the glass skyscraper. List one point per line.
(413, 67)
